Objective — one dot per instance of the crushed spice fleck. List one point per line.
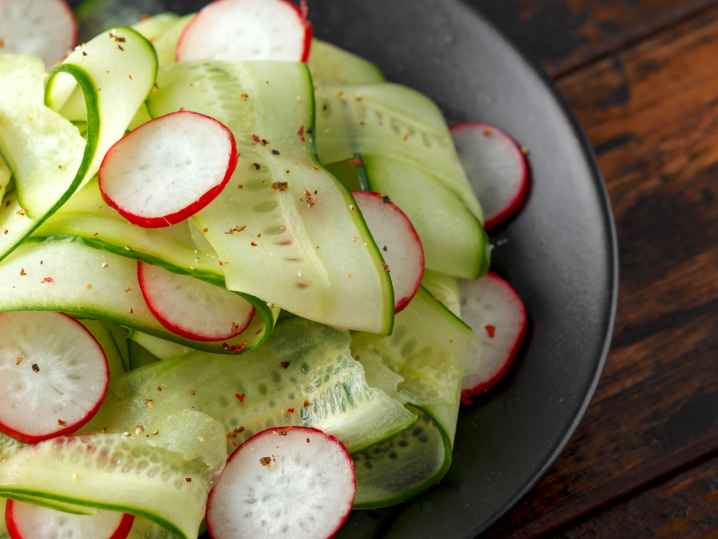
(284, 364)
(35, 367)
(62, 423)
(139, 429)
(240, 398)
(280, 186)
(266, 461)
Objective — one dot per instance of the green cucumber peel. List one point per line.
(321, 256)
(115, 295)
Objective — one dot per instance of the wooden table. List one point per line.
(642, 77)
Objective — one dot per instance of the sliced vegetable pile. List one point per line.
(168, 188)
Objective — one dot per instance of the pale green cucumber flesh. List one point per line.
(332, 66)
(159, 348)
(312, 260)
(304, 375)
(106, 340)
(114, 294)
(166, 44)
(445, 288)
(140, 356)
(153, 27)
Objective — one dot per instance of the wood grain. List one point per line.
(566, 34)
(685, 506)
(652, 114)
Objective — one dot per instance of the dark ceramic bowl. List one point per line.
(560, 253)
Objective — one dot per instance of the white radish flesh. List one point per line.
(168, 169)
(283, 482)
(493, 309)
(236, 30)
(192, 308)
(28, 521)
(398, 242)
(53, 375)
(45, 28)
(496, 167)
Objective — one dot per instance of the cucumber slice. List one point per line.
(117, 473)
(95, 16)
(153, 27)
(430, 350)
(139, 356)
(401, 146)
(113, 294)
(445, 288)
(159, 348)
(315, 257)
(119, 334)
(332, 66)
(5, 177)
(44, 151)
(166, 44)
(105, 339)
(305, 375)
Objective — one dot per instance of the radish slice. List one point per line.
(398, 242)
(28, 521)
(45, 28)
(493, 309)
(496, 167)
(283, 482)
(235, 30)
(54, 375)
(192, 308)
(168, 169)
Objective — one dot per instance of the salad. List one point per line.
(244, 279)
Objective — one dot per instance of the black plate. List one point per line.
(560, 253)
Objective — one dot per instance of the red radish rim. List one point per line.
(301, 12)
(268, 432)
(69, 429)
(122, 531)
(404, 302)
(520, 199)
(187, 211)
(482, 387)
(172, 327)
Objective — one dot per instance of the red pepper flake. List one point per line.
(191, 392)
(284, 431)
(265, 461)
(6, 231)
(301, 134)
(95, 234)
(225, 345)
(235, 229)
(350, 276)
(386, 200)
(406, 137)
(131, 311)
(205, 230)
(240, 186)
(311, 200)
(491, 330)
(237, 348)
(240, 397)
(284, 364)
(128, 290)
(258, 332)
(89, 287)
(159, 388)
(19, 212)
(357, 358)
(307, 404)
(290, 410)
(35, 367)
(18, 361)
(47, 280)
(62, 423)
(487, 132)
(253, 244)
(357, 162)
(182, 109)
(465, 400)
(244, 96)
(22, 272)
(386, 267)
(130, 76)
(188, 479)
(2, 43)
(307, 440)
(279, 186)
(255, 138)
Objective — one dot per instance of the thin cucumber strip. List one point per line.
(445, 288)
(112, 352)
(394, 141)
(305, 375)
(117, 473)
(428, 351)
(119, 334)
(146, 529)
(140, 356)
(5, 177)
(95, 16)
(91, 283)
(46, 154)
(166, 44)
(306, 247)
(332, 66)
(159, 348)
(153, 27)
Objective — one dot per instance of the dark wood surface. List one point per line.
(642, 77)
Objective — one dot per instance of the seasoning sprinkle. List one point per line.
(284, 364)
(139, 429)
(61, 423)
